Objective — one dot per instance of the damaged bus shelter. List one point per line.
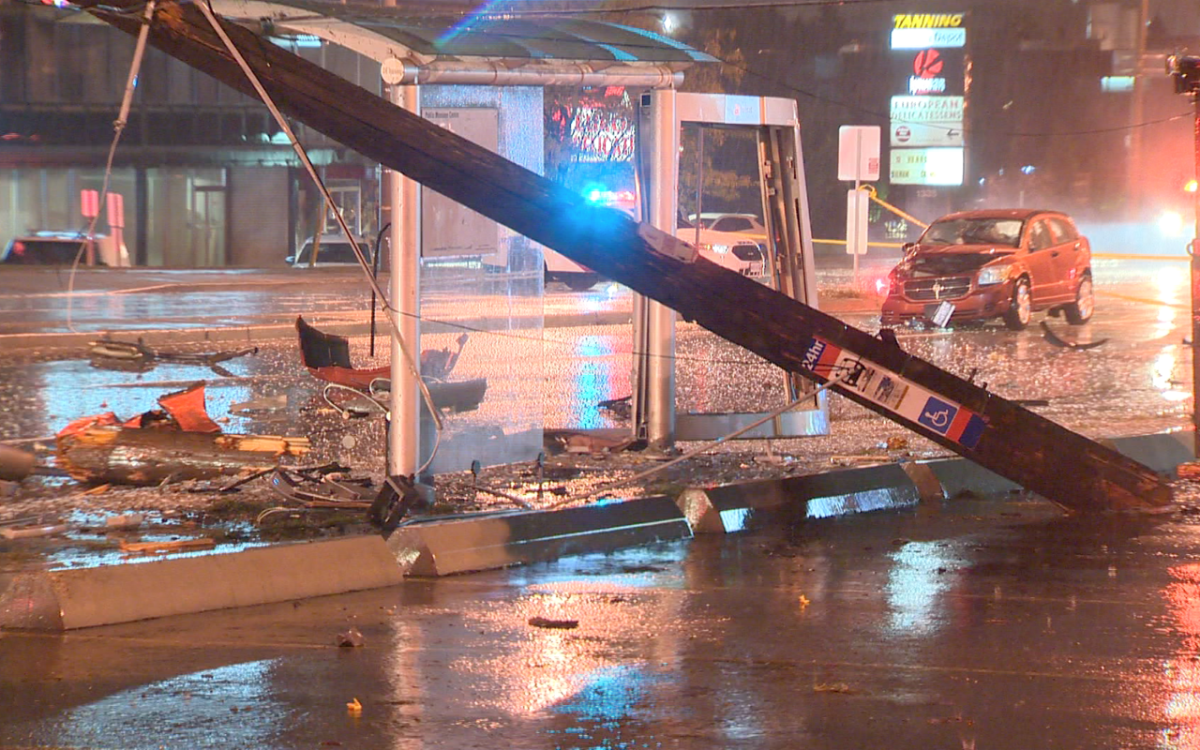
(875, 372)
(485, 83)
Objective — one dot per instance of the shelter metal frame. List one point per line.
(661, 117)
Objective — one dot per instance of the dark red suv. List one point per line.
(1003, 263)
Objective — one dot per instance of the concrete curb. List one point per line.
(736, 507)
(86, 597)
(441, 548)
(78, 598)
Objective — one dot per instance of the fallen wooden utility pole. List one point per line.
(998, 434)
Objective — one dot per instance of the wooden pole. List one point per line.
(996, 433)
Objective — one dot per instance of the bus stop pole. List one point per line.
(404, 428)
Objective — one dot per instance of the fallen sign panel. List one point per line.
(1070, 469)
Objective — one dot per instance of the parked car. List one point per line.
(747, 224)
(988, 264)
(61, 249)
(333, 250)
(734, 251)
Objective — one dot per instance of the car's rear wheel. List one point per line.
(1021, 309)
(1080, 311)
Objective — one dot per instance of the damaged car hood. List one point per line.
(944, 259)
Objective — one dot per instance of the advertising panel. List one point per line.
(927, 166)
(928, 38)
(926, 134)
(919, 121)
(450, 229)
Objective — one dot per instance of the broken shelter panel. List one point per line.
(481, 294)
(723, 211)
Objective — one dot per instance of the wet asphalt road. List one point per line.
(976, 624)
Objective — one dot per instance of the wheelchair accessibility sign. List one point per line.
(895, 393)
(955, 422)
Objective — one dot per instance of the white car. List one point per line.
(333, 250)
(747, 224)
(61, 248)
(737, 252)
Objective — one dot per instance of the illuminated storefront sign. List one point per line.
(926, 166)
(917, 85)
(928, 20)
(926, 121)
(911, 135)
(926, 135)
(927, 108)
(928, 38)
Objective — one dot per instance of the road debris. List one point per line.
(351, 638)
(622, 407)
(178, 443)
(15, 464)
(264, 403)
(167, 547)
(124, 522)
(327, 357)
(111, 354)
(31, 530)
(1055, 340)
(546, 622)
(322, 493)
(398, 496)
(589, 441)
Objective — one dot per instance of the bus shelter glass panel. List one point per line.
(481, 295)
(721, 212)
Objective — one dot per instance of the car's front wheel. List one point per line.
(1080, 311)
(1021, 309)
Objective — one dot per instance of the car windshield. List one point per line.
(973, 232)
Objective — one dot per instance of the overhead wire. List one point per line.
(118, 128)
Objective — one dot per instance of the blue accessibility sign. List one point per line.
(937, 415)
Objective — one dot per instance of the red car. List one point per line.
(1004, 263)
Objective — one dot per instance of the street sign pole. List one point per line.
(858, 160)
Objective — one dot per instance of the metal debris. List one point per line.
(351, 638)
(1054, 339)
(127, 355)
(167, 547)
(545, 622)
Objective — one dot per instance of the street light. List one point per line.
(1185, 71)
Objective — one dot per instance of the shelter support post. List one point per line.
(404, 195)
(654, 322)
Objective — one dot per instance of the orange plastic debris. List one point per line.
(84, 423)
(187, 408)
